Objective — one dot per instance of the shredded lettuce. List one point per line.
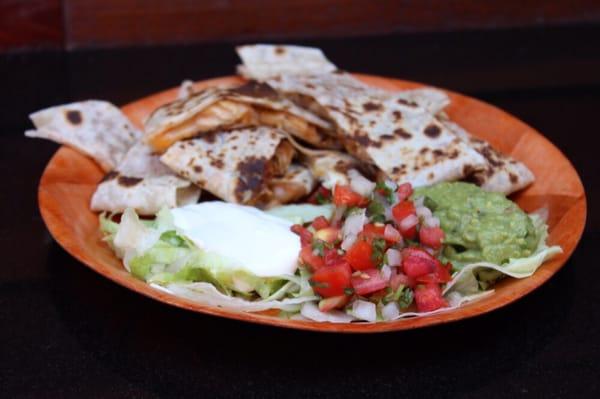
(302, 213)
(154, 251)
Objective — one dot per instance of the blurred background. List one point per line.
(76, 24)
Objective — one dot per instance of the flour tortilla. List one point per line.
(501, 173)
(252, 104)
(262, 61)
(143, 183)
(236, 165)
(405, 141)
(95, 128)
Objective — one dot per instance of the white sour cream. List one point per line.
(252, 239)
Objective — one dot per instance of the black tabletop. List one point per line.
(65, 331)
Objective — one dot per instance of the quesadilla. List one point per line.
(296, 183)
(500, 173)
(236, 165)
(262, 61)
(95, 128)
(143, 183)
(253, 104)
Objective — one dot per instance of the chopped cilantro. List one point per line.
(406, 298)
(322, 199)
(386, 191)
(378, 246)
(376, 211)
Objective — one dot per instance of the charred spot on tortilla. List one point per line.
(109, 176)
(251, 177)
(438, 153)
(430, 176)
(407, 103)
(127, 181)
(371, 106)
(474, 178)
(73, 116)
(513, 178)
(397, 115)
(257, 90)
(310, 86)
(432, 131)
(454, 154)
(197, 168)
(402, 133)
(366, 141)
(385, 137)
(217, 163)
(279, 50)
(489, 154)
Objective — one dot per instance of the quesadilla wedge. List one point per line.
(236, 165)
(253, 104)
(143, 183)
(96, 128)
(500, 173)
(262, 61)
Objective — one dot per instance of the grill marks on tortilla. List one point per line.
(74, 117)
(257, 90)
(432, 131)
(127, 181)
(251, 178)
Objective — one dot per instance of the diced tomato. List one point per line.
(400, 212)
(404, 191)
(320, 195)
(359, 255)
(332, 280)
(429, 297)
(334, 302)
(310, 259)
(305, 235)
(417, 262)
(320, 223)
(402, 279)
(328, 234)
(441, 274)
(371, 231)
(390, 234)
(368, 281)
(332, 257)
(344, 196)
(431, 236)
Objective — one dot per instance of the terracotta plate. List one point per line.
(70, 179)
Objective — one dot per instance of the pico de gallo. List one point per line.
(378, 251)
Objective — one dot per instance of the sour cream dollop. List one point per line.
(252, 239)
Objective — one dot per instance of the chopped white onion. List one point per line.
(431, 222)
(352, 226)
(360, 184)
(423, 212)
(364, 310)
(390, 311)
(394, 257)
(409, 222)
(386, 272)
(311, 311)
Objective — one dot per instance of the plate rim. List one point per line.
(126, 280)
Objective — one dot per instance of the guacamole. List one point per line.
(479, 225)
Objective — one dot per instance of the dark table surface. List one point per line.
(67, 332)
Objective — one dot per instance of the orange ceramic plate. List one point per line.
(70, 179)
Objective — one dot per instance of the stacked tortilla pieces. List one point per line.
(298, 122)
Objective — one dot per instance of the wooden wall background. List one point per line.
(75, 24)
